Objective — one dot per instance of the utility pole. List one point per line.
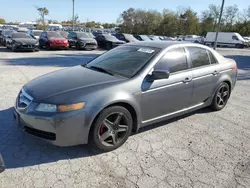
(73, 17)
(218, 25)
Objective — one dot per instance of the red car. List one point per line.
(53, 40)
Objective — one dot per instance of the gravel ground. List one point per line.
(200, 150)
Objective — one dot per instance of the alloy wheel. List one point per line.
(113, 129)
(222, 96)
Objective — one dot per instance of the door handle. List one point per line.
(215, 73)
(186, 80)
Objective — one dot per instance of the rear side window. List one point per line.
(199, 56)
(212, 58)
(174, 60)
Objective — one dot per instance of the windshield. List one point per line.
(91, 35)
(64, 33)
(124, 61)
(21, 35)
(37, 33)
(145, 38)
(7, 32)
(54, 34)
(110, 37)
(130, 37)
(82, 35)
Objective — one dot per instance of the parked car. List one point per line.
(247, 41)
(35, 33)
(193, 38)
(81, 40)
(108, 41)
(142, 37)
(53, 40)
(22, 41)
(228, 39)
(2, 165)
(124, 89)
(125, 37)
(90, 35)
(5, 33)
(64, 33)
(153, 37)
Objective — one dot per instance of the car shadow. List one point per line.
(165, 122)
(20, 149)
(57, 60)
(243, 64)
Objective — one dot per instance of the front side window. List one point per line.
(235, 37)
(199, 56)
(124, 61)
(174, 60)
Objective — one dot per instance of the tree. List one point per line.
(231, 12)
(43, 11)
(139, 21)
(213, 12)
(108, 25)
(2, 21)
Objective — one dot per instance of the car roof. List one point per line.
(157, 44)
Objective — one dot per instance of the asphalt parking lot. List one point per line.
(200, 150)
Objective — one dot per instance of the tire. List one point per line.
(47, 47)
(13, 48)
(109, 46)
(216, 106)
(78, 47)
(40, 45)
(239, 46)
(99, 129)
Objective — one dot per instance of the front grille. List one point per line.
(27, 46)
(24, 99)
(40, 134)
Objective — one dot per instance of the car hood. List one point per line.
(26, 41)
(116, 41)
(66, 80)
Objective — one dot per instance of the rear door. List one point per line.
(205, 71)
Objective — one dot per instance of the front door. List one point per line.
(162, 97)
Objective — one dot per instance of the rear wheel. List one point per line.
(111, 129)
(221, 97)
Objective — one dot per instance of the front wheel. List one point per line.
(111, 129)
(13, 48)
(221, 97)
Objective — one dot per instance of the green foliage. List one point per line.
(184, 21)
(43, 11)
(2, 21)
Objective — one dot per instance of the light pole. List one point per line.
(73, 17)
(218, 25)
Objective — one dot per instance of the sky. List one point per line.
(97, 10)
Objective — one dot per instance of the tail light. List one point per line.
(235, 68)
(66, 42)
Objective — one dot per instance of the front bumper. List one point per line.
(88, 45)
(27, 47)
(60, 45)
(61, 129)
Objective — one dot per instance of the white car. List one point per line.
(228, 39)
(247, 41)
(193, 38)
(35, 33)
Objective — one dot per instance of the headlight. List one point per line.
(59, 108)
(46, 107)
(37, 44)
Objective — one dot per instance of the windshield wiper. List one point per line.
(100, 69)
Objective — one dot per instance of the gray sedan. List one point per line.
(124, 89)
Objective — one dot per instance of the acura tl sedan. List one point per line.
(129, 87)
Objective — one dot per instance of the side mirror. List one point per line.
(160, 74)
(2, 166)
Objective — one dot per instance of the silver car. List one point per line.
(124, 89)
